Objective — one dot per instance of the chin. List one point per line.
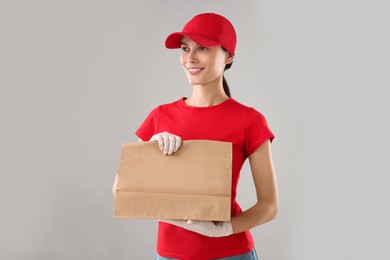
(192, 82)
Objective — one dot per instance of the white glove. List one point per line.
(206, 228)
(168, 143)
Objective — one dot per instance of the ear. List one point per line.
(229, 58)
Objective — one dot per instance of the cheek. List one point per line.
(219, 66)
(220, 62)
(182, 58)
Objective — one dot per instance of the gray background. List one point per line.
(78, 77)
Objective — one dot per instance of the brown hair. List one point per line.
(224, 82)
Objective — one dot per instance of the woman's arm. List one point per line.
(267, 204)
(264, 210)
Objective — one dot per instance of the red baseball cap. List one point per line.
(207, 30)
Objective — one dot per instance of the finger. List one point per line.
(178, 143)
(198, 222)
(172, 144)
(165, 143)
(159, 139)
(115, 185)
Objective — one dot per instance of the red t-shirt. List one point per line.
(228, 121)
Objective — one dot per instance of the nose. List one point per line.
(191, 56)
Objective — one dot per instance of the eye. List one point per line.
(201, 48)
(185, 48)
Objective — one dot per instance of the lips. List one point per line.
(194, 70)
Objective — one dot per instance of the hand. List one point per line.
(206, 228)
(114, 186)
(168, 143)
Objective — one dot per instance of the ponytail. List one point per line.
(226, 87)
(224, 82)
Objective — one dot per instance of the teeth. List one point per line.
(194, 70)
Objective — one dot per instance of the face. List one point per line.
(203, 65)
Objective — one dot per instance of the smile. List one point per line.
(194, 70)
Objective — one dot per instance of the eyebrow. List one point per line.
(183, 43)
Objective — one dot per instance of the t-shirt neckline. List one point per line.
(183, 103)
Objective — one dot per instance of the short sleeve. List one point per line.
(256, 131)
(148, 127)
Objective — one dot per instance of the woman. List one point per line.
(207, 45)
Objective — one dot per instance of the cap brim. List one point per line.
(173, 41)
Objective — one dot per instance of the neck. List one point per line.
(207, 95)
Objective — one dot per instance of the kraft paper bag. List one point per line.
(193, 183)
